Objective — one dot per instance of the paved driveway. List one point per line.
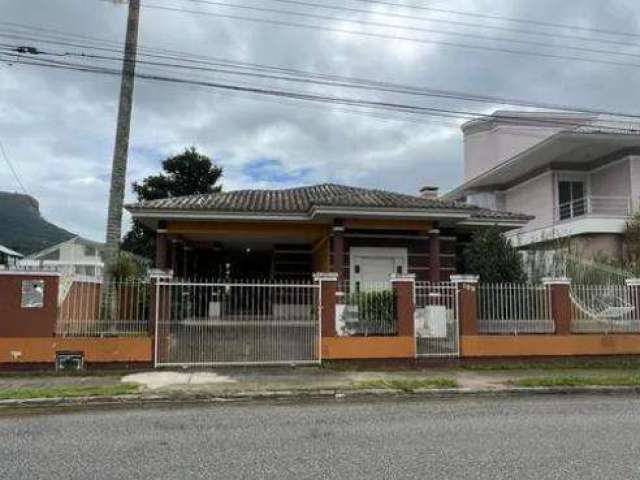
(536, 438)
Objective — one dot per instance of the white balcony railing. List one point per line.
(594, 206)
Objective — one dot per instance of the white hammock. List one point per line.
(608, 308)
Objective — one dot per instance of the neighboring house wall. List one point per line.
(611, 180)
(634, 180)
(484, 150)
(533, 197)
(609, 244)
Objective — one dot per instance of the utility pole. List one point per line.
(121, 148)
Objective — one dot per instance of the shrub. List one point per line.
(375, 311)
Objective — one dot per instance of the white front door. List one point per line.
(370, 267)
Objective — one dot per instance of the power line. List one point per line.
(398, 107)
(420, 18)
(335, 80)
(348, 82)
(399, 37)
(345, 82)
(13, 170)
(412, 28)
(397, 88)
(503, 18)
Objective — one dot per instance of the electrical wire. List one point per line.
(12, 168)
(382, 105)
(428, 41)
(414, 18)
(387, 86)
(502, 18)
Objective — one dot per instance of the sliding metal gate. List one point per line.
(436, 320)
(226, 323)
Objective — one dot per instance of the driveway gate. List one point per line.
(436, 319)
(208, 324)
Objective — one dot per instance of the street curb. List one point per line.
(336, 394)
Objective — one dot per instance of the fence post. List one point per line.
(633, 287)
(328, 285)
(159, 306)
(466, 286)
(404, 293)
(558, 289)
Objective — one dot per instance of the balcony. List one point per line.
(594, 206)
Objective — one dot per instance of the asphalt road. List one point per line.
(583, 437)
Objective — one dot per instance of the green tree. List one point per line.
(188, 173)
(631, 243)
(492, 256)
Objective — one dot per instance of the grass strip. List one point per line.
(578, 381)
(67, 391)
(559, 364)
(408, 385)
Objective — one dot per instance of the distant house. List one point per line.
(8, 257)
(578, 176)
(78, 255)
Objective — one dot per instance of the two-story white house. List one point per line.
(77, 255)
(579, 176)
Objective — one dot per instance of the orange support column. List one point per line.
(560, 303)
(328, 285)
(467, 303)
(403, 288)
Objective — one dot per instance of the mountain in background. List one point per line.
(23, 229)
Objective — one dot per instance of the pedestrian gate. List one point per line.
(226, 323)
(436, 319)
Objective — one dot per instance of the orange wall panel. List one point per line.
(548, 345)
(368, 347)
(96, 350)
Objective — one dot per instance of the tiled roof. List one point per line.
(301, 200)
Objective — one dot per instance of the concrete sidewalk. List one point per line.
(221, 381)
(231, 380)
(276, 382)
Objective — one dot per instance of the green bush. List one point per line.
(376, 315)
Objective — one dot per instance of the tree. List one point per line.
(492, 256)
(631, 243)
(188, 173)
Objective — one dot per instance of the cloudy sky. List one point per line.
(57, 126)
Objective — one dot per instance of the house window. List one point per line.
(571, 199)
(89, 251)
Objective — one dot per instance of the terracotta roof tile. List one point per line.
(301, 200)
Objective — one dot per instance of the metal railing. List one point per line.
(202, 323)
(366, 309)
(604, 309)
(594, 205)
(436, 319)
(514, 308)
(94, 308)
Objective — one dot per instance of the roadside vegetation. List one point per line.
(559, 364)
(579, 381)
(67, 391)
(408, 385)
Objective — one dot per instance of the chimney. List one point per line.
(429, 192)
